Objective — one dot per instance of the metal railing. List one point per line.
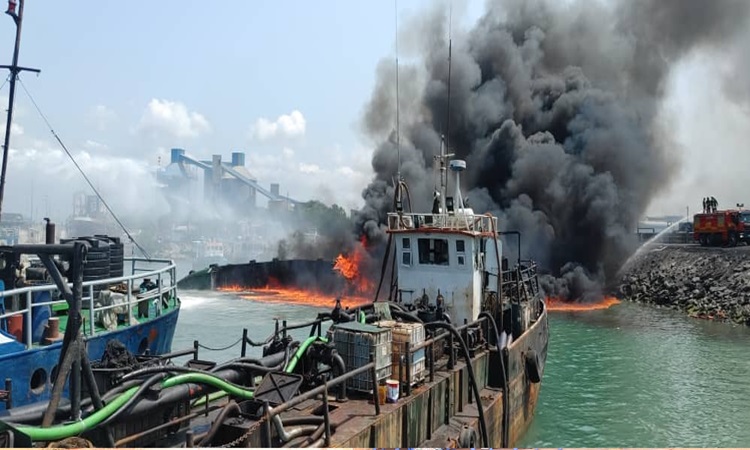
(452, 222)
(167, 272)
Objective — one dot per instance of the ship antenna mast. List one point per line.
(398, 135)
(14, 71)
(444, 139)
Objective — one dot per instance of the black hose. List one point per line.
(161, 369)
(251, 367)
(230, 407)
(141, 390)
(470, 370)
(405, 316)
(303, 420)
(384, 266)
(338, 360)
(506, 399)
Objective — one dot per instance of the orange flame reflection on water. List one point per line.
(556, 304)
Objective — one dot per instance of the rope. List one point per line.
(145, 253)
(4, 83)
(220, 348)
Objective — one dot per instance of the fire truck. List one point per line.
(726, 228)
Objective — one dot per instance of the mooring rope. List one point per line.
(219, 349)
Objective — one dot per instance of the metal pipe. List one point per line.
(243, 351)
(94, 391)
(326, 417)
(287, 436)
(9, 393)
(407, 388)
(29, 323)
(373, 374)
(91, 311)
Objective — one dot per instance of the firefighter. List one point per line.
(714, 203)
(704, 205)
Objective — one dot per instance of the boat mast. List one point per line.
(444, 139)
(14, 71)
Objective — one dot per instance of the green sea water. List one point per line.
(636, 376)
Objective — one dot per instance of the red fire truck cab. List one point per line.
(727, 227)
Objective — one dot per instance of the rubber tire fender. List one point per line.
(533, 369)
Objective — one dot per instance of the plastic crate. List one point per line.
(414, 334)
(363, 381)
(417, 371)
(355, 342)
(405, 332)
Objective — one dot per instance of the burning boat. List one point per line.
(452, 355)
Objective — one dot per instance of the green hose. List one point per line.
(210, 380)
(301, 351)
(209, 398)
(74, 429)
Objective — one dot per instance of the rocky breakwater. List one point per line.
(705, 282)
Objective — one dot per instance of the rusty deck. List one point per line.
(435, 412)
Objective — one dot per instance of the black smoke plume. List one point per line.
(554, 106)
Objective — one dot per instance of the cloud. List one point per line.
(172, 119)
(309, 168)
(91, 144)
(101, 117)
(55, 176)
(16, 130)
(286, 125)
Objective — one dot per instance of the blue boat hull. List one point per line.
(155, 336)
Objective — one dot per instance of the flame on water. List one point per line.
(275, 292)
(359, 289)
(556, 304)
(295, 296)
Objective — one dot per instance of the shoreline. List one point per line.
(711, 283)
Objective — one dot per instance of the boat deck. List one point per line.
(98, 328)
(432, 415)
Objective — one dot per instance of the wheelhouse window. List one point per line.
(406, 251)
(433, 251)
(461, 252)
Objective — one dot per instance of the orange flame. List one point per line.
(274, 291)
(359, 287)
(294, 296)
(350, 267)
(556, 304)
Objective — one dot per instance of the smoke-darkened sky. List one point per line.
(575, 117)
(561, 111)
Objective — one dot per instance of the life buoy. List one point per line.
(533, 369)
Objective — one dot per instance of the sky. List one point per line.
(285, 81)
